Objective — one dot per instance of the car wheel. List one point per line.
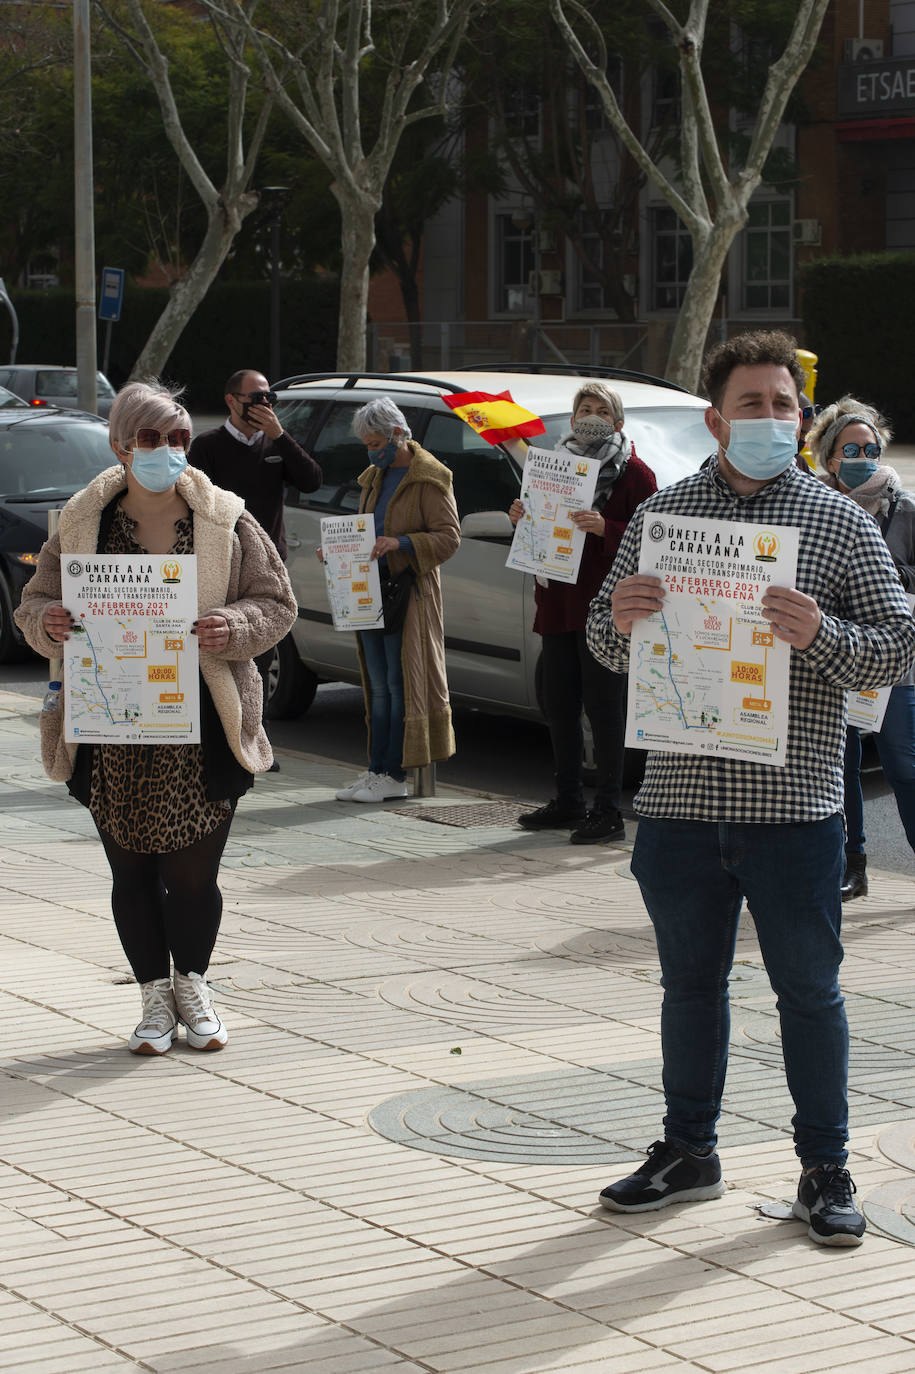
(12, 646)
(291, 686)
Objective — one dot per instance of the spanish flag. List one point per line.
(494, 417)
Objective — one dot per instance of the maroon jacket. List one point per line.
(563, 606)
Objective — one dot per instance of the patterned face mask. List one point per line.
(591, 429)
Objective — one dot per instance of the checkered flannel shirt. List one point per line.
(866, 639)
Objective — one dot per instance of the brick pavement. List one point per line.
(444, 1041)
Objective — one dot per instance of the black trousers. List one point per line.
(573, 681)
(167, 907)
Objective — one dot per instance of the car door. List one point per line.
(488, 608)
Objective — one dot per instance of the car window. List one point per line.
(9, 401)
(342, 457)
(55, 383)
(60, 458)
(484, 477)
(672, 440)
(102, 385)
(4, 376)
(295, 417)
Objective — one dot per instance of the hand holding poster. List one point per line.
(131, 664)
(546, 540)
(353, 583)
(706, 673)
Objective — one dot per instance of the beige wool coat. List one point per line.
(423, 507)
(239, 575)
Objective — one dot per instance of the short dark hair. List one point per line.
(236, 380)
(748, 350)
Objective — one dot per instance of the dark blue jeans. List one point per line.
(896, 747)
(386, 713)
(693, 876)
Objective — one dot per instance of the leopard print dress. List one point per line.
(151, 798)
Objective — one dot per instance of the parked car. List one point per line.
(44, 384)
(45, 456)
(492, 652)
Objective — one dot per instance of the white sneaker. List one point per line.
(347, 793)
(159, 1019)
(204, 1029)
(380, 787)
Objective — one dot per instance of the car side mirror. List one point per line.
(487, 524)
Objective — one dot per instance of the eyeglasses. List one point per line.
(152, 438)
(871, 451)
(257, 398)
(808, 412)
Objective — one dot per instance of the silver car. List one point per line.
(492, 652)
(47, 384)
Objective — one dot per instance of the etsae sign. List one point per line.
(111, 297)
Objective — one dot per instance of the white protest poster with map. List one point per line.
(706, 673)
(353, 581)
(130, 664)
(553, 485)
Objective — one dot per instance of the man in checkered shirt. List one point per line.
(713, 831)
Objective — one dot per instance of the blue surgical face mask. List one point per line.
(384, 457)
(762, 449)
(157, 469)
(856, 473)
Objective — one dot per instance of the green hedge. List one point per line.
(230, 329)
(858, 314)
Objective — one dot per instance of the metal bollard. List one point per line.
(424, 781)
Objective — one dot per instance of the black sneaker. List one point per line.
(556, 815)
(824, 1200)
(670, 1174)
(599, 826)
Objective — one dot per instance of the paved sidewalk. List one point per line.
(444, 1042)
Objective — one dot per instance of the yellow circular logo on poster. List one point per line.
(766, 546)
(171, 570)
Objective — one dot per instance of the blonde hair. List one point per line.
(603, 393)
(826, 428)
(145, 405)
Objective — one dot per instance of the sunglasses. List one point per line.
(808, 412)
(257, 398)
(871, 451)
(174, 438)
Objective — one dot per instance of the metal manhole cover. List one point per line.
(465, 817)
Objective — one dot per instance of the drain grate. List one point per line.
(466, 817)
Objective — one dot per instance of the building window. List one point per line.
(672, 260)
(516, 263)
(767, 255)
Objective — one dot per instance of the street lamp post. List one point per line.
(273, 198)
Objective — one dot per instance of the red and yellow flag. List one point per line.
(494, 417)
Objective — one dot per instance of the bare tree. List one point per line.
(338, 84)
(226, 205)
(709, 198)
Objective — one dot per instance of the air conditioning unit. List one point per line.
(550, 282)
(863, 49)
(807, 232)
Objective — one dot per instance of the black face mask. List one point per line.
(258, 398)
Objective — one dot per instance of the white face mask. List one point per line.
(591, 429)
(157, 469)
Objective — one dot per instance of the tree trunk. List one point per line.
(358, 239)
(187, 294)
(687, 345)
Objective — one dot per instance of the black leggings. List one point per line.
(167, 907)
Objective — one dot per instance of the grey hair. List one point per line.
(145, 405)
(380, 416)
(600, 391)
(830, 422)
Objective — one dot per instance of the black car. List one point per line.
(45, 457)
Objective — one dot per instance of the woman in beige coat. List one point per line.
(163, 811)
(407, 709)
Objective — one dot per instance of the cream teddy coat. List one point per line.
(239, 575)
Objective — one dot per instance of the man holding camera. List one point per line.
(253, 456)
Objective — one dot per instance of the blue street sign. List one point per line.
(111, 297)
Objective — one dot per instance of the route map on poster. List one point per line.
(130, 666)
(706, 673)
(353, 581)
(546, 541)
